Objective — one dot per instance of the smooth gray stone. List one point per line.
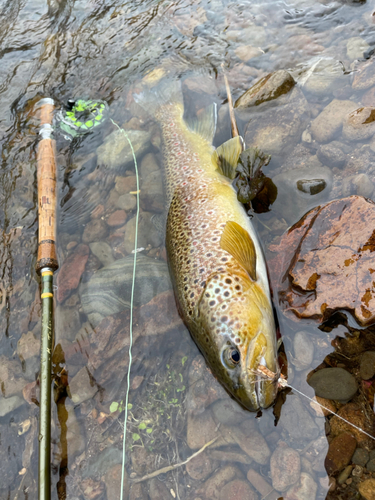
(108, 291)
(297, 421)
(333, 383)
(102, 462)
(7, 405)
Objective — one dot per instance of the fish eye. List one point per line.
(231, 357)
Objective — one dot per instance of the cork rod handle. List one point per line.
(46, 174)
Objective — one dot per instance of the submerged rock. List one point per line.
(237, 490)
(305, 489)
(115, 152)
(364, 78)
(108, 291)
(268, 88)
(328, 255)
(285, 467)
(329, 122)
(359, 125)
(322, 75)
(332, 154)
(275, 129)
(71, 271)
(333, 383)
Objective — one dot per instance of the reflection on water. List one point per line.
(79, 49)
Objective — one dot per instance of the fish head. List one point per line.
(237, 333)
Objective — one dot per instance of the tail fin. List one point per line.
(165, 92)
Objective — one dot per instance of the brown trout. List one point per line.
(216, 262)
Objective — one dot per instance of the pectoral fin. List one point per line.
(237, 241)
(225, 157)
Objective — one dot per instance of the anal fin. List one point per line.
(237, 241)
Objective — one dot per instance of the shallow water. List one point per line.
(99, 50)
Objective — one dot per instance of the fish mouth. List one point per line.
(260, 391)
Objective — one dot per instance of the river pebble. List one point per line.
(303, 351)
(28, 346)
(237, 490)
(297, 422)
(332, 154)
(158, 490)
(147, 233)
(333, 383)
(200, 467)
(361, 457)
(329, 122)
(70, 272)
(228, 412)
(95, 230)
(200, 430)
(367, 489)
(356, 47)
(277, 129)
(322, 76)
(125, 184)
(148, 165)
(117, 218)
(82, 387)
(137, 492)
(112, 481)
(9, 405)
(102, 251)
(126, 202)
(359, 125)
(364, 77)
(152, 192)
(285, 467)
(211, 489)
(340, 452)
(266, 89)
(305, 489)
(367, 365)
(115, 152)
(249, 440)
(261, 485)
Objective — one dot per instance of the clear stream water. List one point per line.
(100, 49)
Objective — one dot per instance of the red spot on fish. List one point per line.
(176, 143)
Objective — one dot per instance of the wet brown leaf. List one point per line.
(325, 262)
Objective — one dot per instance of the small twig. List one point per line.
(173, 467)
(233, 122)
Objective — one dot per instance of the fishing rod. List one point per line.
(46, 265)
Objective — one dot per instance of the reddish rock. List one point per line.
(117, 218)
(71, 271)
(340, 452)
(112, 481)
(328, 256)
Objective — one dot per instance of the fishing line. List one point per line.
(325, 408)
(131, 311)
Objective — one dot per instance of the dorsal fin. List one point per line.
(205, 124)
(237, 241)
(225, 157)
